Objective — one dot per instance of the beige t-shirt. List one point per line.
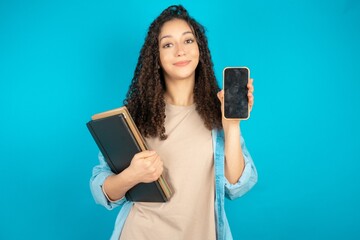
(187, 154)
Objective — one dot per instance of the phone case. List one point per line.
(224, 87)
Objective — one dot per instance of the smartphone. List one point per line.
(236, 102)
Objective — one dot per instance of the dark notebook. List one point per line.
(119, 140)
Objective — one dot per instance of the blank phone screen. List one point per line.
(235, 90)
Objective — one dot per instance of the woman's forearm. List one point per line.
(146, 166)
(115, 186)
(234, 160)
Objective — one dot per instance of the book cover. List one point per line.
(118, 139)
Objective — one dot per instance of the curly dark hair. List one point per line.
(145, 97)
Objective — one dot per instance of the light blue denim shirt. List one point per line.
(222, 188)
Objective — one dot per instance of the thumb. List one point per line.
(220, 95)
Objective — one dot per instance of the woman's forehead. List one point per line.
(174, 27)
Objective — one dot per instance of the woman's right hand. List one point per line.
(146, 166)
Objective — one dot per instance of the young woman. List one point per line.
(176, 103)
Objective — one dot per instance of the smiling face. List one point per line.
(179, 51)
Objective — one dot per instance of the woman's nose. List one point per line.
(180, 51)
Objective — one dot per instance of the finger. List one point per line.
(251, 102)
(148, 162)
(151, 164)
(159, 165)
(160, 170)
(157, 168)
(145, 154)
(251, 98)
(250, 85)
(152, 159)
(220, 95)
(155, 160)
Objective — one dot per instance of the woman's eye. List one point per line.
(189, 40)
(167, 45)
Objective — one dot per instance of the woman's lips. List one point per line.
(182, 63)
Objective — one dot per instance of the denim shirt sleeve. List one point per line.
(99, 174)
(248, 178)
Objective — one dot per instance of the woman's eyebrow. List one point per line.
(170, 36)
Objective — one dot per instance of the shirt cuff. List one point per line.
(107, 197)
(240, 187)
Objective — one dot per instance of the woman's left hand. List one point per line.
(220, 95)
(251, 93)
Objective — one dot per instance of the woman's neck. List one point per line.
(180, 93)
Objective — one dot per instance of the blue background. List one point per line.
(63, 61)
